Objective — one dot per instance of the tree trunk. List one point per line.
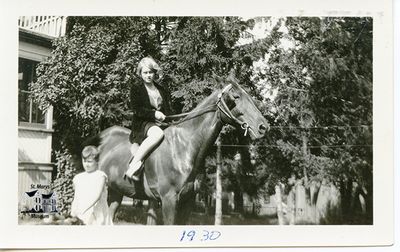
(314, 189)
(218, 194)
(308, 210)
(279, 208)
(305, 155)
(208, 202)
(238, 201)
(291, 206)
(301, 203)
(322, 204)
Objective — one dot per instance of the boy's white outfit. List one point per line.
(99, 213)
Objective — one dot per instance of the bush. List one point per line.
(62, 185)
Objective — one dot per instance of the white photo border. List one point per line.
(381, 233)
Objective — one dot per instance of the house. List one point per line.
(38, 202)
(35, 127)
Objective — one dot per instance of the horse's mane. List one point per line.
(207, 100)
(208, 104)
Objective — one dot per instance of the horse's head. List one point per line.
(238, 109)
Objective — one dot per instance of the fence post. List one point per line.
(218, 182)
(279, 208)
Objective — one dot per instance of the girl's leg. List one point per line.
(154, 137)
(134, 148)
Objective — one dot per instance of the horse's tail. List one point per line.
(114, 132)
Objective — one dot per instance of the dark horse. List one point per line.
(170, 170)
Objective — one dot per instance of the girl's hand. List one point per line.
(159, 116)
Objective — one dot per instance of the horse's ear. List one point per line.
(232, 80)
(235, 91)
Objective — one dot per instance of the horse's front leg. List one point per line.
(186, 203)
(169, 207)
(151, 213)
(114, 201)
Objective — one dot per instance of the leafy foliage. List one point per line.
(66, 170)
(319, 94)
(199, 48)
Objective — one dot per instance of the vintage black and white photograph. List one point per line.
(221, 120)
(160, 125)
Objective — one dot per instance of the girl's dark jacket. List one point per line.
(143, 112)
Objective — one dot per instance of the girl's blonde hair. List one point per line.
(151, 64)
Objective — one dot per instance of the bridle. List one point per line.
(221, 106)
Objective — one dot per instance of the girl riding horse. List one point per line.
(149, 103)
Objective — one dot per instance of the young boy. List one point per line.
(90, 198)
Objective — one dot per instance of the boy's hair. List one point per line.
(90, 152)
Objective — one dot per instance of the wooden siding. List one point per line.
(34, 159)
(34, 146)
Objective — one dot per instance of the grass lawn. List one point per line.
(128, 215)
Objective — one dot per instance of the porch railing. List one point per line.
(50, 25)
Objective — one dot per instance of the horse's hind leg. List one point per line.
(184, 209)
(114, 201)
(169, 208)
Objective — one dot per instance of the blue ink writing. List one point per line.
(205, 235)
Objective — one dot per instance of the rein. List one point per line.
(220, 105)
(189, 115)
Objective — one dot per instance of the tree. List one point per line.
(199, 48)
(322, 109)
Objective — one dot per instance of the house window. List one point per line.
(38, 200)
(29, 113)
